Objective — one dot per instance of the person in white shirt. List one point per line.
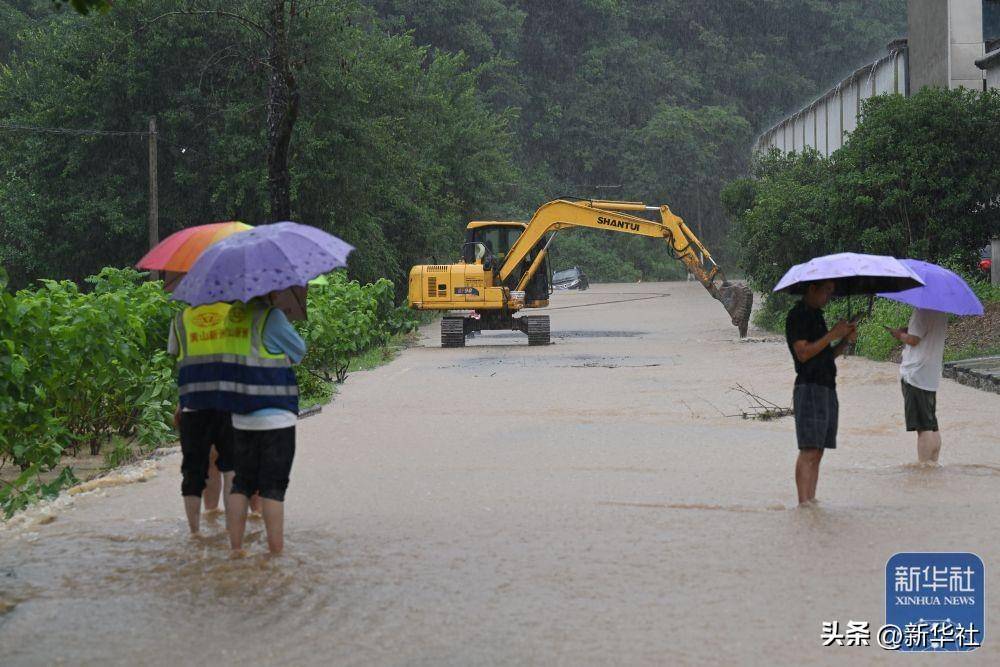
(920, 375)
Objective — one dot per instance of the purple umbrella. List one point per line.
(853, 273)
(943, 290)
(265, 259)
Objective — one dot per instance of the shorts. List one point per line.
(817, 411)
(199, 431)
(920, 408)
(263, 462)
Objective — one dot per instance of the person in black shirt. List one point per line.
(815, 396)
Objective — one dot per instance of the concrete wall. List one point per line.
(967, 45)
(945, 40)
(927, 39)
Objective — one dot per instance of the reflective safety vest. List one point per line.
(224, 365)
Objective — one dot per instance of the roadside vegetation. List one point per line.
(85, 370)
(918, 178)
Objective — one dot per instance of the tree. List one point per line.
(783, 215)
(684, 157)
(393, 147)
(920, 175)
(918, 178)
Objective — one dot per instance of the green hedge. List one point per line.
(88, 367)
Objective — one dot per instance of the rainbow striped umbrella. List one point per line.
(179, 251)
(176, 254)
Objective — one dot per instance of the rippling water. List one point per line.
(563, 505)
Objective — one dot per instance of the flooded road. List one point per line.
(589, 502)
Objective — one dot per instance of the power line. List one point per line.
(105, 133)
(66, 130)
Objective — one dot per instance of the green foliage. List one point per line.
(90, 367)
(29, 487)
(918, 178)
(415, 117)
(650, 100)
(77, 368)
(345, 320)
(85, 6)
(786, 221)
(394, 148)
(873, 341)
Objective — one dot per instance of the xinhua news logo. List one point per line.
(933, 602)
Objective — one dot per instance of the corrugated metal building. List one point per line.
(823, 123)
(946, 47)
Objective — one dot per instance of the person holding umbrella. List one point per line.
(202, 431)
(813, 349)
(251, 375)
(814, 398)
(923, 340)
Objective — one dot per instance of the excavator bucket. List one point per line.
(737, 299)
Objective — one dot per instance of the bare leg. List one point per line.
(274, 523)
(928, 446)
(807, 473)
(192, 507)
(236, 520)
(255, 504)
(227, 484)
(213, 487)
(815, 474)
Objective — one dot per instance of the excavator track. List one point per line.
(452, 332)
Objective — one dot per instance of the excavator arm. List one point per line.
(616, 217)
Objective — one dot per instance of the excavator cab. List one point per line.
(498, 237)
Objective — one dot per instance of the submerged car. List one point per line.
(570, 279)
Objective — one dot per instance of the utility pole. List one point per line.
(154, 212)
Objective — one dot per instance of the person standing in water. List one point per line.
(920, 376)
(203, 426)
(264, 418)
(815, 396)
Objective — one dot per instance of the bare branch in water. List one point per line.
(761, 408)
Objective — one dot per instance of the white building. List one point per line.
(946, 47)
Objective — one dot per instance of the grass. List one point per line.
(970, 351)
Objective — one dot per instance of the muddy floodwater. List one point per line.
(595, 501)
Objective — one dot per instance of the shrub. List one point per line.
(78, 367)
(82, 367)
(345, 319)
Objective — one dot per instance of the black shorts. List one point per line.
(263, 462)
(920, 408)
(199, 431)
(817, 411)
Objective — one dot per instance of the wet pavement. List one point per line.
(595, 501)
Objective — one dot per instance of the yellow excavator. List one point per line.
(504, 268)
